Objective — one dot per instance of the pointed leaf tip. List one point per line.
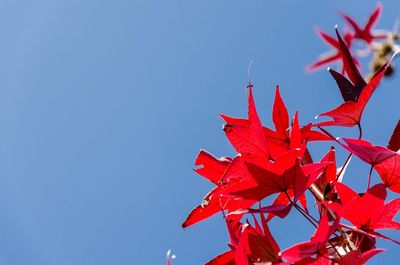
(394, 142)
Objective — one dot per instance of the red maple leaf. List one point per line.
(349, 113)
(356, 92)
(367, 212)
(365, 33)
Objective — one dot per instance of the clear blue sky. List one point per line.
(105, 104)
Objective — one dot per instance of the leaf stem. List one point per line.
(310, 219)
(359, 130)
(346, 162)
(369, 176)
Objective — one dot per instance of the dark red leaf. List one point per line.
(347, 89)
(349, 65)
(349, 113)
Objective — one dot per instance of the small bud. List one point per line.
(385, 50)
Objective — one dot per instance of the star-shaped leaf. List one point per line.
(365, 33)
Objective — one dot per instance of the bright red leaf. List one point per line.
(368, 211)
(365, 33)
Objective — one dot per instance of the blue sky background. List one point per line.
(104, 106)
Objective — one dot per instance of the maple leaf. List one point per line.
(335, 54)
(349, 113)
(356, 92)
(227, 175)
(367, 212)
(365, 33)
